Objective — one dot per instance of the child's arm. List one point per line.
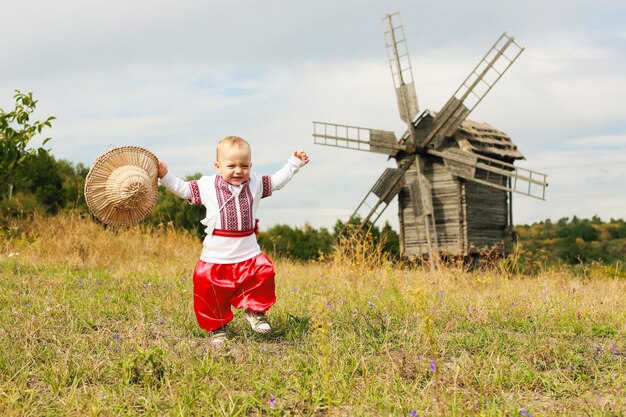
(173, 183)
(284, 175)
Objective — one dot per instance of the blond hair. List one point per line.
(230, 141)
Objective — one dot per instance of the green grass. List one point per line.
(82, 337)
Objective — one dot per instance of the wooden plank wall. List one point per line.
(470, 217)
(487, 217)
(446, 204)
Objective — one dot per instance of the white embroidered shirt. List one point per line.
(230, 207)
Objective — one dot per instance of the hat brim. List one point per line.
(100, 202)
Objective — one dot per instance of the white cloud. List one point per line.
(603, 141)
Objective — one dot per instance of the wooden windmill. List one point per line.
(454, 177)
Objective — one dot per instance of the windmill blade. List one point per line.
(358, 138)
(473, 89)
(380, 195)
(402, 73)
(400, 65)
(494, 173)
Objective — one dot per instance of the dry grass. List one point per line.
(72, 242)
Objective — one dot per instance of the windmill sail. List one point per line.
(402, 74)
(494, 173)
(380, 195)
(358, 138)
(473, 89)
(400, 65)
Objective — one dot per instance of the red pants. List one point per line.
(248, 284)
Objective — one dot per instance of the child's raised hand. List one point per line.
(162, 169)
(301, 155)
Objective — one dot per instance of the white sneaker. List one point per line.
(218, 337)
(258, 321)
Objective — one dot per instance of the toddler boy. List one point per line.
(232, 270)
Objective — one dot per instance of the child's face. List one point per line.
(234, 163)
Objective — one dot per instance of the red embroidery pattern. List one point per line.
(195, 193)
(267, 186)
(223, 194)
(228, 212)
(245, 206)
(236, 213)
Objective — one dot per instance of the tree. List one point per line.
(39, 176)
(16, 131)
(580, 229)
(391, 240)
(73, 177)
(307, 243)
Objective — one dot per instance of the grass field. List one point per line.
(100, 322)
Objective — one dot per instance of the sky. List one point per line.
(175, 77)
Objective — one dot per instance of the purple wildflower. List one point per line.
(272, 401)
(598, 353)
(614, 349)
(413, 413)
(106, 298)
(328, 304)
(116, 336)
(369, 303)
(432, 365)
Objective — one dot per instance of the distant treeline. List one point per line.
(575, 240)
(47, 185)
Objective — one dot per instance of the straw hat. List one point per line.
(121, 186)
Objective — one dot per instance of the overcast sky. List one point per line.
(175, 77)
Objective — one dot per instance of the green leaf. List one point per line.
(16, 131)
